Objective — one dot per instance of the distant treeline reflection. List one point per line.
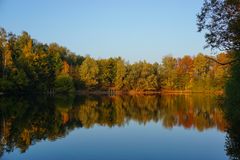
(25, 121)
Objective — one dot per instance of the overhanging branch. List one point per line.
(223, 63)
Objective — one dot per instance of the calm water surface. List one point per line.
(122, 127)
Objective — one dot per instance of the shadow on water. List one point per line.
(232, 116)
(25, 121)
(231, 110)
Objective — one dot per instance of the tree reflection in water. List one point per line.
(25, 121)
(232, 116)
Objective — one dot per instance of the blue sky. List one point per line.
(132, 29)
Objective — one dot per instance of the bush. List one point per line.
(64, 84)
(6, 86)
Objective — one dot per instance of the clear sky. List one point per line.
(132, 29)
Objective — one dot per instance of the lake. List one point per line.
(119, 127)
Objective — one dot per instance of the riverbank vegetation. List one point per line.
(27, 65)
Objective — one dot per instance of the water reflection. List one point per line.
(26, 120)
(232, 116)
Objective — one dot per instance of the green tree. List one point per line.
(64, 84)
(88, 72)
(20, 80)
(148, 79)
(141, 76)
(169, 65)
(201, 70)
(107, 72)
(3, 42)
(121, 72)
(6, 86)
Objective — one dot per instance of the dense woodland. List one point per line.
(27, 65)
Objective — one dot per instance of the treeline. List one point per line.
(27, 65)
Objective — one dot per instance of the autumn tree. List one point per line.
(169, 72)
(31, 66)
(184, 71)
(107, 72)
(141, 76)
(201, 70)
(4, 55)
(148, 78)
(220, 72)
(88, 72)
(221, 21)
(121, 72)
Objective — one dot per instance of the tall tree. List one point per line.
(201, 70)
(221, 20)
(220, 72)
(185, 72)
(169, 71)
(107, 72)
(3, 43)
(88, 72)
(120, 73)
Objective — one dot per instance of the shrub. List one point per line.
(64, 84)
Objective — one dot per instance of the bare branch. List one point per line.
(223, 63)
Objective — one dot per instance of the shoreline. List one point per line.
(163, 92)
(124, 92)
